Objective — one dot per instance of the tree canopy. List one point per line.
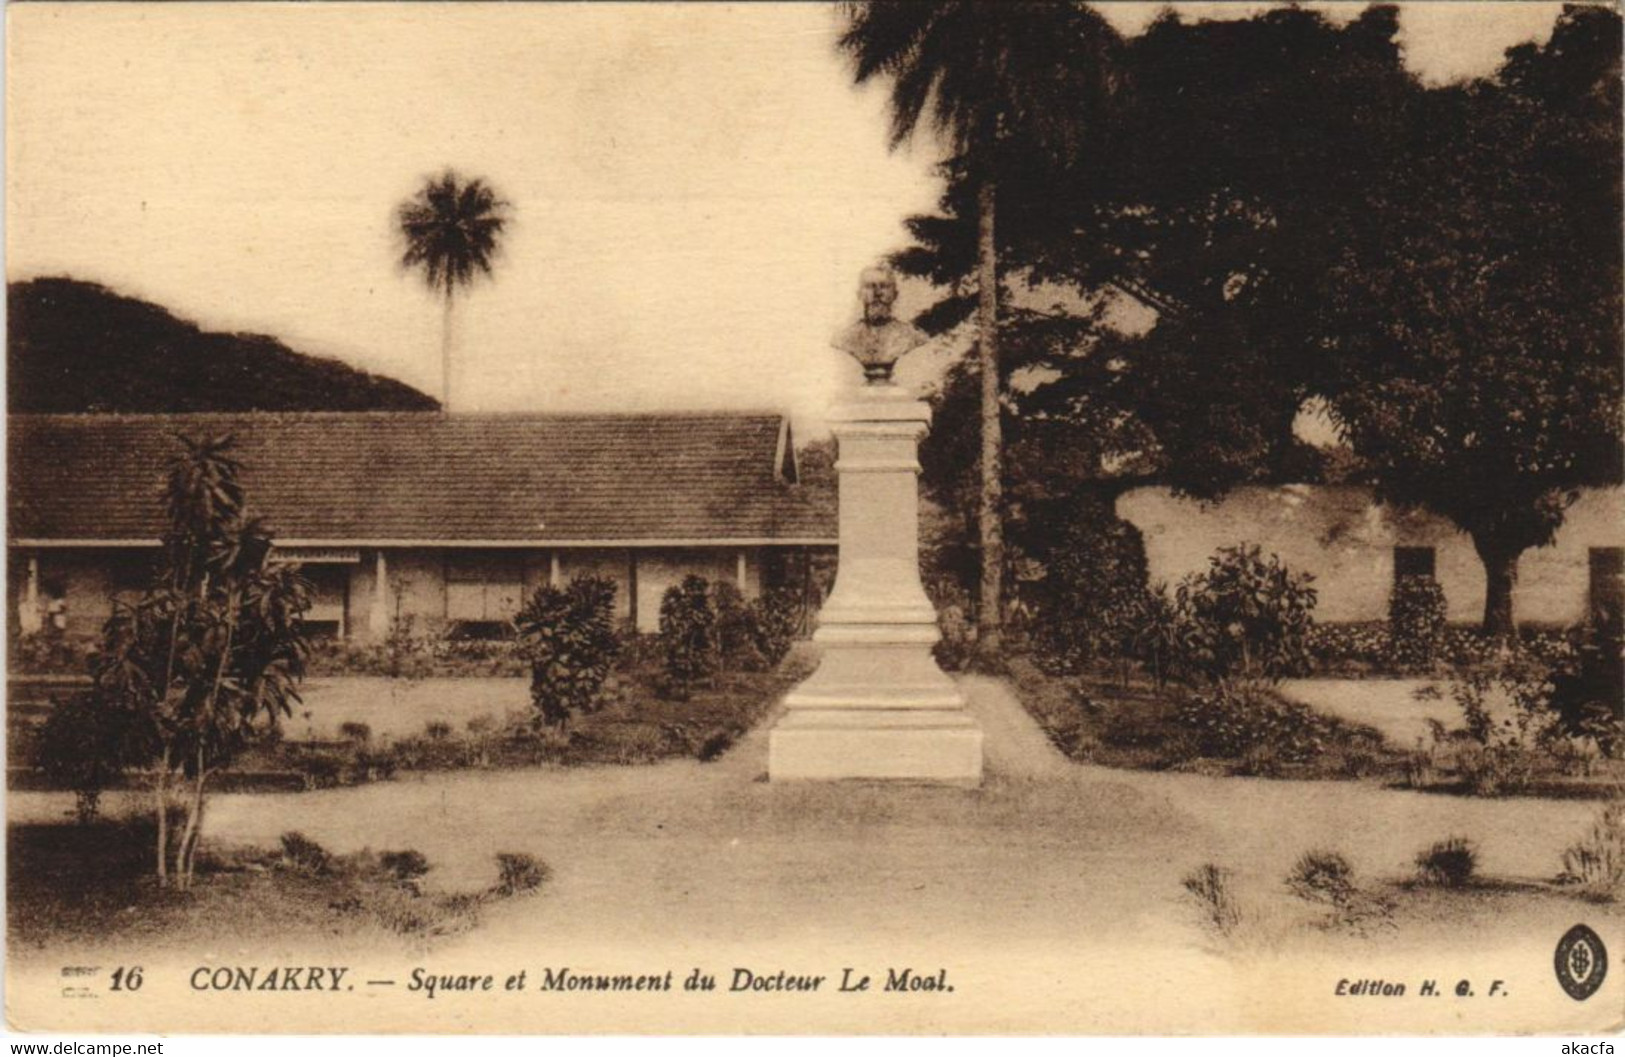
(1300, 219)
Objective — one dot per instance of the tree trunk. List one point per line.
(445, 354)
(186, 854)
(160, 786)
(1500, 577)
(990, 612)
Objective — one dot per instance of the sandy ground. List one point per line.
(1390, 705)
(1051, 895)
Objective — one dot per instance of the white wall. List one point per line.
(1346, 541)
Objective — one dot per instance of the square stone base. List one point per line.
(878, 744)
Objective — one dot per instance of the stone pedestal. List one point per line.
(878, 706)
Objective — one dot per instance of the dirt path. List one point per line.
(1066, 871)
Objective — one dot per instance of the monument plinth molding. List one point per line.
(878, 706)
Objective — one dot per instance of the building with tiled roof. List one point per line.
(442, 520)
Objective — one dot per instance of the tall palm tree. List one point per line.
(451, 228)
(982, 74)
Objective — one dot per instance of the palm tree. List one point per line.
(451, 229)
(984, 73)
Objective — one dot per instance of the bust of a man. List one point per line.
(879, 339)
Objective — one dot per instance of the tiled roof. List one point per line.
(423, 476)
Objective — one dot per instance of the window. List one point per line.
(484, 588)
(1413, 561)
(1607, 596)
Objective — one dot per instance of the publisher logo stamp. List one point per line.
(1582, 962)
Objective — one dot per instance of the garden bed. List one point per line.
(479, 723)
(1133, 724)
(1100, 717)
(95, 883)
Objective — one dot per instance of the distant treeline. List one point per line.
(74, 346)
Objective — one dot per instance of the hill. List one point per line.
(74, 346)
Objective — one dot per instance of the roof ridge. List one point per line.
(462, 416)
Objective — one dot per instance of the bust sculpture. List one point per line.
(879, 339)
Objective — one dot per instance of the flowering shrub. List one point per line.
(1357, 648)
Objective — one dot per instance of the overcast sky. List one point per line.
(694, 187)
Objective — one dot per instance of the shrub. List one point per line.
(1233, 721)
(1508, 718)
(1245, 617)
(735, 629)
(1155, 633)
(518, 872)
(1323, 877)
(1095, 578)
(568, 636)
(1209, 886)
(775, 616)
(688, 635)
(1416, 620)
(303, 854)
(1596, 862)
(715, 745)
(437, 729)
(357, 732)
(84, 744)
(1450, 863)
(404, 866)
(1588, 684)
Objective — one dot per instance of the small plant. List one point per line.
(404, 866)
(715, 745)
(1596, 862)
(1209, 886)
(1416, 621)
(1450, 863)
(359, 733)
(1326, 877)
(437, 729)
(519, 872)
(688, 635)
(1323, 877)
(301, 853)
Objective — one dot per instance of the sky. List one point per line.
(694, 188)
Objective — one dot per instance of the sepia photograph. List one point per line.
(882, 518)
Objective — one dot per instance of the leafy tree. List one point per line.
(568, 635)
(1305, 220)
(209, 659)
(1473, 316)
(451, 228)
(994, 80)
(1200, 201)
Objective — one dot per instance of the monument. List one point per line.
(878, 706)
